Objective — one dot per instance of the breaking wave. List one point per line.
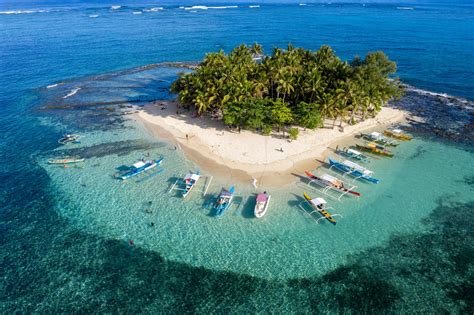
(466, 103)
(115, 7)
(204, 7)
(73, 92)
(254, 6)
(405, 8)
(24, 11)
(153, 9)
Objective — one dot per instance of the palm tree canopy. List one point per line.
(292, 86)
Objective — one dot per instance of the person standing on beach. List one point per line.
(187, 137)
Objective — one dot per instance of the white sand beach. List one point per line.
(247, 155)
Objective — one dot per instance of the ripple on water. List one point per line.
(284, 244)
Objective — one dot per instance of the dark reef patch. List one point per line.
(58, 269)
(443, 116)
(118, 148)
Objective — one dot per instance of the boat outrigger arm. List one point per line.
(312, 203)
(182, 181)
(324, 186)
(354, 170)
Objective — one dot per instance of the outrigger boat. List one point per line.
(224, 200)
(327, 180)
(66, 160)
(261, 205)
(190, 180)
(69, 138)
(352, 154)
(319, 205)
(374, 148)
(140, 167)
(377, 137)
(354, 170)
(398, 134)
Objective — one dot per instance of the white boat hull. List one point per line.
(261, 208)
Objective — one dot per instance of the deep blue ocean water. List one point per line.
(52, 262)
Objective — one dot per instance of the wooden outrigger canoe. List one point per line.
(319, 205)
(374, 148)
(398, 134)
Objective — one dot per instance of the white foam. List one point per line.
(52, 86)
(303, 4)
(405, 8)
(137, 12)
(466, 103)
(153, 9)
(204, 7)
(425, 92)
(254, 6)
(24, 11)
(73, 92)
(115, 7)
(93, 15)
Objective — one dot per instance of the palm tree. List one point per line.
(290, 85)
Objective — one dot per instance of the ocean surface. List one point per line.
(405, 246)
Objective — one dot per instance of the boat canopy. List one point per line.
(354, 152)
(139, 164)
(397, 131)
(376, 135)
(329, 178)
(192, 176)
(262, 197)
(356, 167)
(318, 201)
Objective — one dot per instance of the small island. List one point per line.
(254, 113)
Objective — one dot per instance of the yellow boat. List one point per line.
(374, 148)
(319, 205)
(398, 134)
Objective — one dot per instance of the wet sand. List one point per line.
(245, 156)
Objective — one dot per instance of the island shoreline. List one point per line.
(196, 137)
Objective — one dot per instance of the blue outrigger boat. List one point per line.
(353, 169)
(224, 200)
(141, 167)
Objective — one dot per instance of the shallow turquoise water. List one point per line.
(186, 231)
(406, 246)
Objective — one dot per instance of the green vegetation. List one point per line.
(293, 133)
(290, 87)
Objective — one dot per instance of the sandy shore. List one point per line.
(273, 160)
